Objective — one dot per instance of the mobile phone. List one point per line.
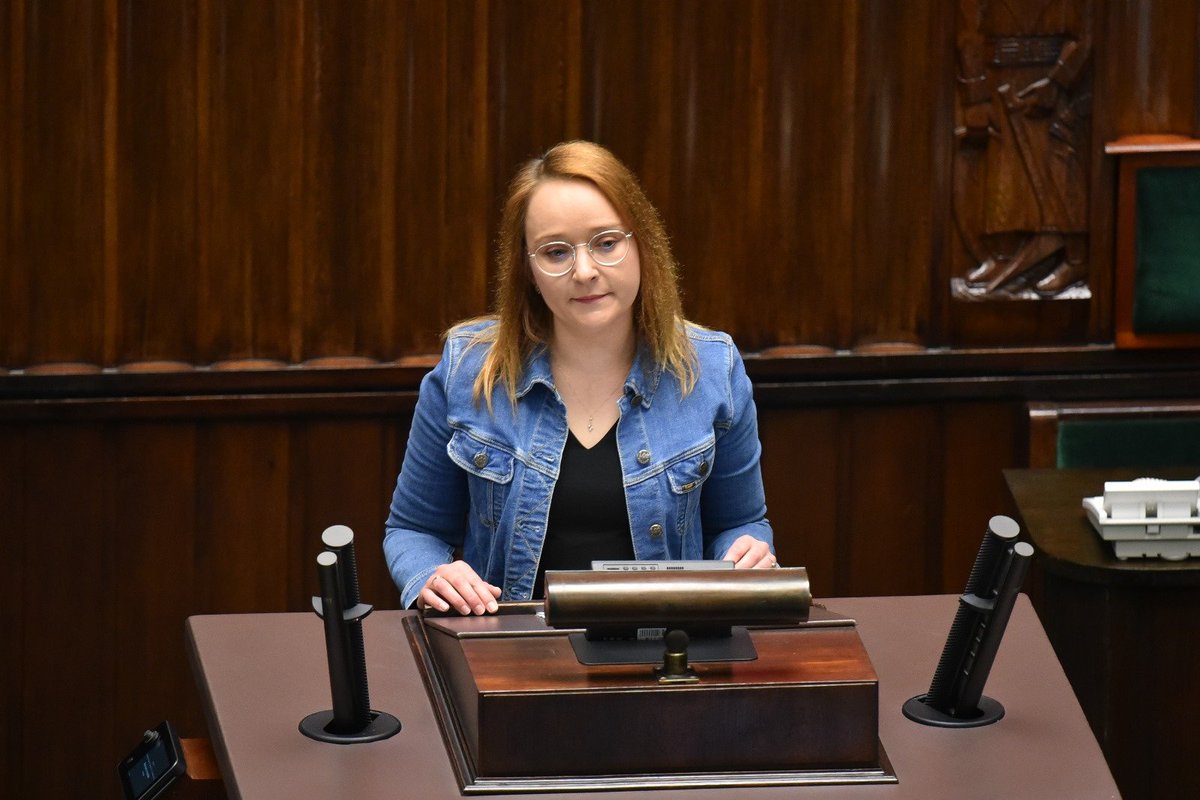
(153, 765)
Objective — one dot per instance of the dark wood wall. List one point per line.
(231, 233)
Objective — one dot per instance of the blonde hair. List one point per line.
(523, 320)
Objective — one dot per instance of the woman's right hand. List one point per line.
(456, 584)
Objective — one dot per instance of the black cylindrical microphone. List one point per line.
(1001, 533)
(337, 646)
(339, 539)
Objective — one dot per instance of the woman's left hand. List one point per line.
(746, 552)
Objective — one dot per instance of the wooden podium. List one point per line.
(520, 713)
(260, 674)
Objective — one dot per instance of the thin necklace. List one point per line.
(592, 412)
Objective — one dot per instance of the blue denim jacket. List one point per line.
(483, 482)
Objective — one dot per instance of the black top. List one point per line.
(588, 517)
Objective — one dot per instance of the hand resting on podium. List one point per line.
(456, 584)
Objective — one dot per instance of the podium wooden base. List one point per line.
(519, 713)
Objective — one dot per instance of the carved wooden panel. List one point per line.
(1023, 142)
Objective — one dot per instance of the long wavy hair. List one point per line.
(524, 321)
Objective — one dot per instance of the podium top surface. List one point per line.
(260, 674)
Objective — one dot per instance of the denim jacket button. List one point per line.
(656, 530)
(481, 460)
(643, 457)
(703, 468)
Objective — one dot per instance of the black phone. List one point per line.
(154, 764)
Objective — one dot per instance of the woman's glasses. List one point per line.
(607, 248)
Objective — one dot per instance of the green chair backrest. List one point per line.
(1133, 442)
(1167, 278)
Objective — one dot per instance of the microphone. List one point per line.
(351, 721)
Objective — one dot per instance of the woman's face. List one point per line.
(591, 298)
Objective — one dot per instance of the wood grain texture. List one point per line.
(810, 699)
(893, 452)
(58, 219)
(155, 200)
(251, 132)
(893, 148)
(547, 664)
(1155, 71)
(975, 437)
(153, 537)
(10, 76)
(443, 209)
(68, 656)
(15, 537)
(298, 191)
(278, 183)
(801, 463)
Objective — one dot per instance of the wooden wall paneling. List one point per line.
(1103, 180)
(888, 528)
(68, 616)
(335, 481)
(153, 541)
(628, 88)
(1021, 323)
(801, 462)
(690, 117)
(14, 544)
(445, 209)
(155, 202)
(243, 527)
(345, 215)
(60, 215)
(978, 441)
(718, 135)
(11, 54)
(536, 48)
(803, 238)
(942, 239)
(251, 133)
(1151, 78)
(715, 97)
(895, 134)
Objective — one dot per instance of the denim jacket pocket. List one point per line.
(685, 476)
(688, 473)
(489, 471)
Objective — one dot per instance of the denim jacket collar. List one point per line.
(642, 381)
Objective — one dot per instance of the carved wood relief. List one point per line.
(1022, 133)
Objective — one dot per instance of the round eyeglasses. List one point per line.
(607, 248)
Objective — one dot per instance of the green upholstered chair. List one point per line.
(1157, 245)
(1166, 280)
(1115, 434)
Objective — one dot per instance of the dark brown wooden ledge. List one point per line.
(782, 377)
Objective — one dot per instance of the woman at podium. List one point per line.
(586, 418)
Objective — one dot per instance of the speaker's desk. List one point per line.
(261, 673)
(1127, 632)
